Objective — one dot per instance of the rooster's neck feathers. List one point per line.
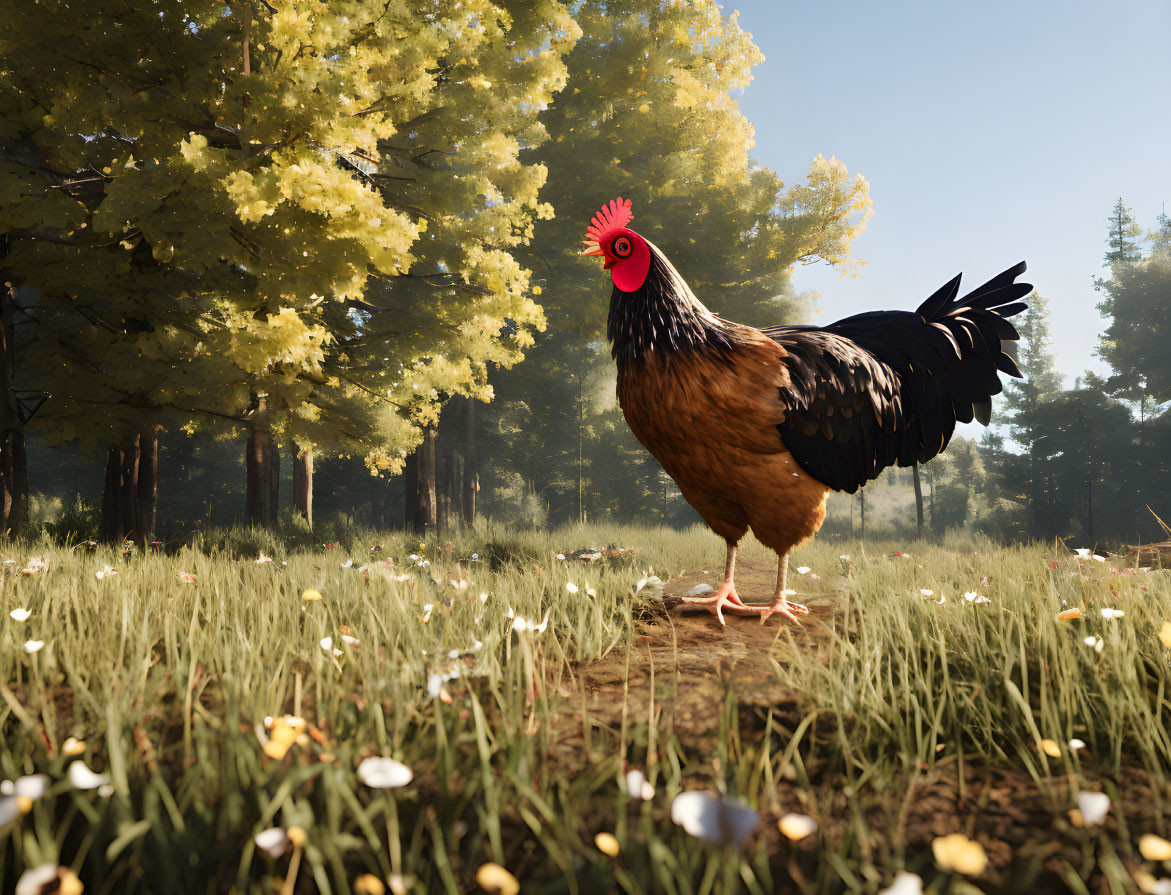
(664, 316)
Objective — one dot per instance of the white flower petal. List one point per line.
(638, 787)
(384, 773)
(274, 841)
(20, 615)
(81, 777)
(33, 646)
(797, 826)
(1093, 806)
(904, 884)
(47, 878)
(719, 820)
(34, 786)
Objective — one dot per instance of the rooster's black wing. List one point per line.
(888, 387)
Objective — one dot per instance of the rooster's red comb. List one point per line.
(614, 214)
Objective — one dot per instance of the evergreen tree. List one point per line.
(1123, 239)
(1138, 330)
(1085, 443)
(1021, 477)
(1161, 236)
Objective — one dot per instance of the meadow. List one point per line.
(986, 718)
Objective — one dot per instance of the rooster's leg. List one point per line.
(725, 596)
(780, 603)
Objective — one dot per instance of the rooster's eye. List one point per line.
(621, 247)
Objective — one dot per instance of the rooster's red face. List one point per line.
(628, 257)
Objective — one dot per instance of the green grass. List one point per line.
(903, 719)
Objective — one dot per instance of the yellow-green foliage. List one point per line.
(197, 196)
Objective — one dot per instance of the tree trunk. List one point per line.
(253, 456)
(13, 462)
(471, 482)
(128, 494)
(442, 490)
(261, 480)
(862, 510)
(1090, 512)
(453, 487)
(111, 527)
(122, 496)
(148, 482)
(918, 498)
(420, 508)
(411, 491)
(580, 443)
(303, 483)
(274, 480)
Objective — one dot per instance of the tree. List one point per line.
(202, 221)
(13, 461)
(647, 113)
(1123, 239)
(958, 484)
(1021, 477)
(1085, 441)
(918, 499)
(303, 483)
(1160, 237)
(1138, 328)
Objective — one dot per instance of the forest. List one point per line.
(294, 293)
(359, 219)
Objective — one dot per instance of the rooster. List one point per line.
(757, 426)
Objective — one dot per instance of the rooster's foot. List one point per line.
(785, 608)
(724, 598)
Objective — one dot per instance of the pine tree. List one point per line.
(1135, 339)
(1022, 477)
(1123, 239)
(1160, 237)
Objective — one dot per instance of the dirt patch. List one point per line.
(681, 666)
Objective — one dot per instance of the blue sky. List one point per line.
(990, 132)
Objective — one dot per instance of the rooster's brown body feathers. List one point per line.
(757, 426)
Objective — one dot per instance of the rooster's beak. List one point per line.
(593, 249)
